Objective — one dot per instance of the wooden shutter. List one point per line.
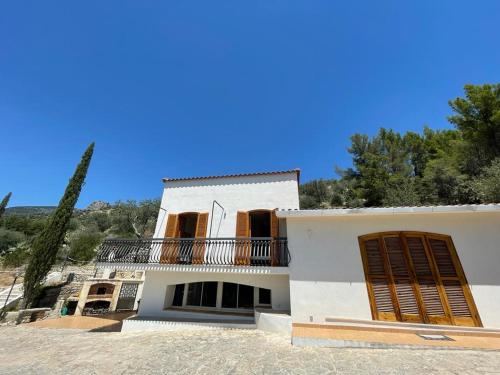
(242, 247)
(172, 228)
(275, 227)
(453, 283)
(201, 234)
(414, 276)
(242, 224)
(377, 280)
(201, 225)
(170, 249)
(405, 291)
(432, 303)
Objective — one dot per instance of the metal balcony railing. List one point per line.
(254, 251)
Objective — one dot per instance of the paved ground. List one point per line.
(27, 350)
(401, 338)
(104, 323)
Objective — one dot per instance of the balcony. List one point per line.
(253, 252)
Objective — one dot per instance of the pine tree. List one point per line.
(4, 203)
(46, 245)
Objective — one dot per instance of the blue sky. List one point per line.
(187, 88)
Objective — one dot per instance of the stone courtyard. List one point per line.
(27, 350)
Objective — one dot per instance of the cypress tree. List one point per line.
(45, 246)
(4, 203)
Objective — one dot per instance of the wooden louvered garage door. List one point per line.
(416, 277)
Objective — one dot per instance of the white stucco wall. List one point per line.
(233, 193)
(326, 272)
(155, 288)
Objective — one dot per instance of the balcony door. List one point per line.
(185, 235)
(256, 224)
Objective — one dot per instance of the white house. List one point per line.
(432, 265)
(237, 250)
(219, 252)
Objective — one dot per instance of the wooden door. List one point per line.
(416, 277)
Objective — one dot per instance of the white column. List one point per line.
(185, 296)
(219, 295)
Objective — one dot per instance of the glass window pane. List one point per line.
(209, 297)
(178, 295)
(229, 295)
(245, 297)
(194, 294)
(264, 296)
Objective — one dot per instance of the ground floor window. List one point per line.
(237, 296)
(202, 294)
(178, 295)
(218, 295)
(264, 296)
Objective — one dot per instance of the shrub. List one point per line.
(8, 239)
(83, 245)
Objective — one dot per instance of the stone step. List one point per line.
(137, 324)
(382, 326)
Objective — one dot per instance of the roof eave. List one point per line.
(383, 211)
(296, 171)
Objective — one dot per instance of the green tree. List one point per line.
(8, 239)
(28, 225)
(4, 203)
(46, 245)
(135, 219)
(83, 245)
(402, 192)
(477, 117)
(315, 194)
(379, 162)
(17, 255)
(488, 184)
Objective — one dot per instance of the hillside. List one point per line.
(87, 228)
(30, 210)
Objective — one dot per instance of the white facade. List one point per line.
(239, 193)
(268, 191)
(327, 280)
(158, 290)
